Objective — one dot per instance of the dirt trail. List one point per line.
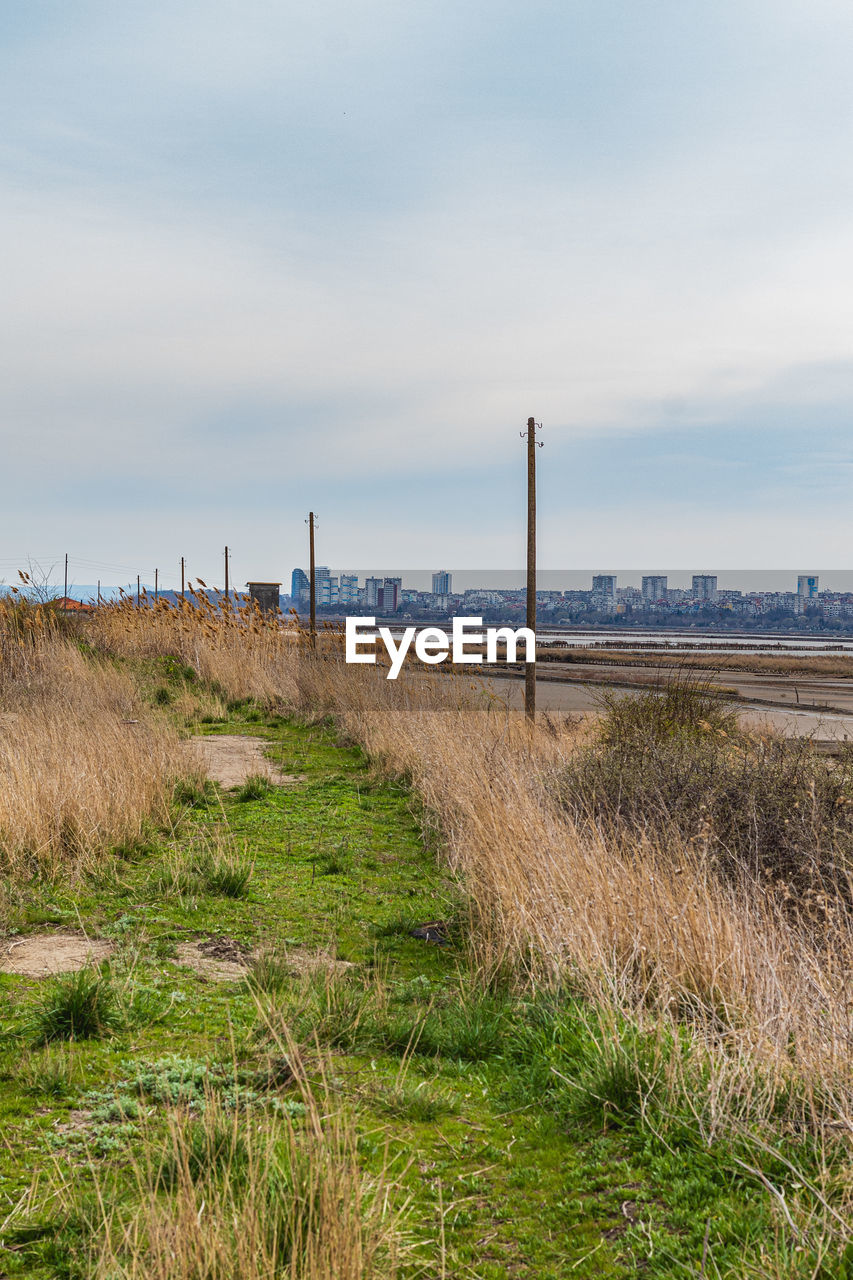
(230, 758)
(44, 954)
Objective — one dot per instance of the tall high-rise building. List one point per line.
(704, 586)
(807, 585)
(388, 596)
(604, 592)
(654, 587)
(371, 591)
(324, 584)
(442, 583)
(299, 585)
(348, 589)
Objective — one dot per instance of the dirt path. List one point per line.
(44, 954)
(230, 759)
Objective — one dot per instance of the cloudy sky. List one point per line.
(262, 257)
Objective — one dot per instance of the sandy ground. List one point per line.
(44, 954)
(224, 960)
(814, 707)
(230, 759)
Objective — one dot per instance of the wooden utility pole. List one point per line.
(65, 594)
(183, 592)
(226, 573)
(312, 581)
(99, 590)
(156, 585)
(530, 667)
(138, 590)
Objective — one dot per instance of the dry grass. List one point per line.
(83, 765)
(249, 1193)
(644, 922)
(641, 923)
(240, 651)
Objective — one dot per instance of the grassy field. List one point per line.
(526, 1091)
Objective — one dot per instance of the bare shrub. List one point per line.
(670, 764)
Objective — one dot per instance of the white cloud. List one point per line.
(190, 291)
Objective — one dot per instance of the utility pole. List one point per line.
(530, 667)
(99, 590)
(156, 585)
(312, 579)
(138, 590)
(183, 593)
(65, 594)
(226, 573)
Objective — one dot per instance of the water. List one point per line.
(674, 642)
(704, 642)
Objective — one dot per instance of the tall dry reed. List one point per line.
(241, 650)
(84, 765)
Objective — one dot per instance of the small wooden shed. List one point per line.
(265, 595)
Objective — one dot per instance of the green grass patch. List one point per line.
(536, 1136)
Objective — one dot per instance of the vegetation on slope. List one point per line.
(610, 1056)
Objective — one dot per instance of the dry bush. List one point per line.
(83, 765)
(672, 764)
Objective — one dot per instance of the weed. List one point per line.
(327, 1007)
(256, 787)
(224, 872)
(672, 763)
(270, 972)
(239, 1194)
(193, 793)
(53, 1071)
(76, 1006)
(415, 1102)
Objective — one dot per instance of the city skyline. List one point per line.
(840, 580)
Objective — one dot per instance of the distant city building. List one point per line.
(371, 591)
(442, 583)
(604, 592)
(348, 589)
(654, 587)
(299, 586)
(704, 586)
(807, 585)
(326, 586)
(388, 596)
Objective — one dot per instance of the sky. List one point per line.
(261, 258)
